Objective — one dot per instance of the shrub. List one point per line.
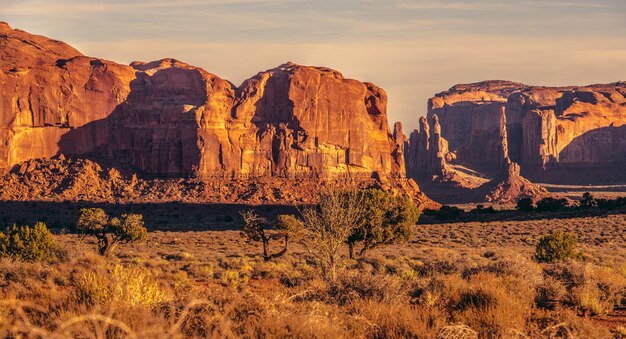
(448, 213)
(388, 219)
(329, 224)
(588, 201)
(525, 205)
(550, 293)
(481, 209)
(28, 243)
(111, 231)
(257, 228)
(551, 204)
(352, 286)
(557, 246)
(120, 284)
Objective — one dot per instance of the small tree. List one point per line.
(557, 246)
(28, 243)
(111, 231)
(388, 219)
(525, 205)
(257, 228)
(329, 224)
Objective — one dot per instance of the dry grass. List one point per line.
(476, 279)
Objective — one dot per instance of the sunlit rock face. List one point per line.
(549, 128)
(168, 118)
(48, 89)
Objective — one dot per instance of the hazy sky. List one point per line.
(412, 49)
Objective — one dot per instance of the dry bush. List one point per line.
(486, 302)
(412, 290)
(396, 320)
(550, 293)
(591, 289)
(328, 226)
(120, 285)
(351, 286)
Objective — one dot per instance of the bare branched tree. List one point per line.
(329, 224)
(259, 229)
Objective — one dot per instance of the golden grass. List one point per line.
(477, 279)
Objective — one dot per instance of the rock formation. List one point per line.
(556, 134)
(577, 127)
(469, 119)
(167, 118)
(509, 184)
(438, 150)
(401, 142)
(170, 119)
(59, 179)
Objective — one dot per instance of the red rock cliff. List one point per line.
(167, 118)
(559, 127)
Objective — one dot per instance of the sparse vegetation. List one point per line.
(329, 224)
(256, 228)
(588, 201)
(448, 213)
(28, 243)
(387, 219)
(525, 205)
(111, 231)
(551, 204)
(558, 246)
(476, 278)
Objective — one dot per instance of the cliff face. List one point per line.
(167, 118)
(570, 126)
(560, 127)
(469, 119)
(47, 88)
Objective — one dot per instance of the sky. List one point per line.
(411, 48)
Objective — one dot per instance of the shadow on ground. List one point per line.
(172, 216)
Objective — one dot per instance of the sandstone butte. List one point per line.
(573, 134)
(168, 119)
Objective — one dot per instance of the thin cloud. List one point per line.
(413, 49)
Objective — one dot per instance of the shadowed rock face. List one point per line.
(48, 88)
(548, 127)
(167, 118)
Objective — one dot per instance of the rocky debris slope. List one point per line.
(170, 119)
(66, 179)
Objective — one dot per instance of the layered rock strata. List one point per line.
(170, 119)
(551, 130)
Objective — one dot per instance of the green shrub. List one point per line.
(557, 246)
(258, 229)
(28, 243)
(481, 209)
(111, 231)
(388, 219)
